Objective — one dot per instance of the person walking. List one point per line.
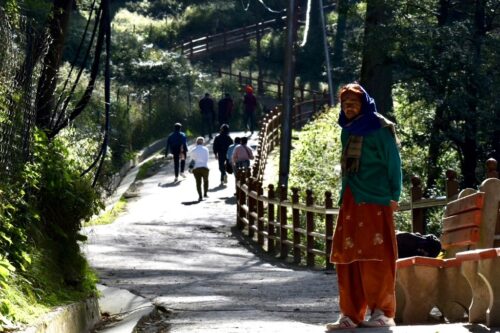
(225, 109)
(199, 155)
(206, 105)
(221, 143)
(242, 155)
(177, 147)
(364, 246)
(230, 150)
(250, 104)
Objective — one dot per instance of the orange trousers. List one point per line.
(367, 284)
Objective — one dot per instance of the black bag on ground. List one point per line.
(414, 244)
(229, 167)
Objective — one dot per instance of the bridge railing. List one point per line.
(226, 40)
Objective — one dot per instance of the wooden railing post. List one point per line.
(251, 208)
(207, 46)
(283, 224)
(296, 226)
(279, 89)
(241, 199)
(418, 224)
(491, 168)
(452, 186)
(310, 229)
(301, 93)
(240, 79)
(220, 72)
(270, 221)
(260, 214)
(328, 229)
(314, 103)
(191, 49)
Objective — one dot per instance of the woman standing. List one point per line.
(364, 242)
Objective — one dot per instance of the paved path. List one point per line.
(185, 255)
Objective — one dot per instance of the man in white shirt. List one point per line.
(199, 155)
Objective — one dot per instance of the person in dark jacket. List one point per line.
(225, 109)
(177, 146)
(206, 105)
(221, 143)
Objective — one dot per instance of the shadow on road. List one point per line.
(189, 203)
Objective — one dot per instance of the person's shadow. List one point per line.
(189, 203)
(172, 184)
(220, 187)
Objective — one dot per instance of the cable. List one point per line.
(245, 8)
(272, 10)
(308, 21)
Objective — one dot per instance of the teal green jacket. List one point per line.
(379, 178)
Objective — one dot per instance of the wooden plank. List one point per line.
(470, 202)
(468, 219)
(460, 237)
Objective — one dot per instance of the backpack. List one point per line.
(414, 244)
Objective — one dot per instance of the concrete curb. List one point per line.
(125, 308)
(74, 318)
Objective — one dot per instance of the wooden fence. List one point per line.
(199, 47)
(273, 88)
(287, 226)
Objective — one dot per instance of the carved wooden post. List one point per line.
(270, 221)
(418, 224)
(260, 214)
(491, 168)
(452, 186)
(283, 224)
(241, 200)
(328, 229)
(310, 229)
(296, 226)
(251, 208)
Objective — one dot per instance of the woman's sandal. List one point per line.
(341, 324)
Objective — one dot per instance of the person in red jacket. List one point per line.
(250, 104)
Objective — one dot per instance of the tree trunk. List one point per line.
(338, 46)
(58, 26)
(376, 68)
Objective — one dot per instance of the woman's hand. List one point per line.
(394, 206)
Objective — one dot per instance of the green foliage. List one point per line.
(109, 216)
(315, 160)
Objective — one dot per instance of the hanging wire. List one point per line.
(272, 10)
(269, 9)
(245, 8)
(308, 21)
(77, 55)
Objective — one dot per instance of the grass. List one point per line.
(30, 294)
(150, 167)
(111, 215)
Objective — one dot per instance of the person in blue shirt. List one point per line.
(177, 146)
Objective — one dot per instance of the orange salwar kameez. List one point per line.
(365, 251)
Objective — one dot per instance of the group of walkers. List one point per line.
(225, 108)
(230, 154)
(364, 247)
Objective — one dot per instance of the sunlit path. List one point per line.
(182, 254)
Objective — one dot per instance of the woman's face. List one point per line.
(351, 105)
